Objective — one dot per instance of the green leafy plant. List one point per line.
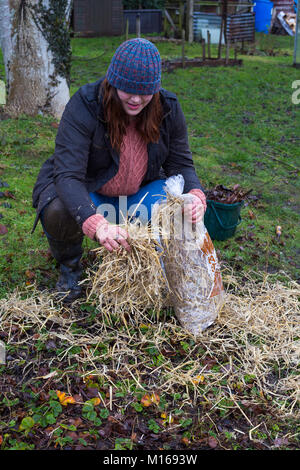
(26, 425)
(137, 406)
(185, 422)
(153, 426)
(19, 445)
(122, 443)
(89, 413)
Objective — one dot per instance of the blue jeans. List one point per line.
(117, 208)
(114, 209)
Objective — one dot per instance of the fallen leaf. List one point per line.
(185, 441)
(146, 401)
(281, 441)
(209, 362)
(3, 229)
(95, 401)
(9, 194)
(55, 125)
(68, 400)
(198, 379)
(212, 442)
(64, 399)
(93, 392)
(76, 422)
(29, 274)
(49, 430)
(51, 345)
(78, 398)
(155, 398)
(43, 396)
(87, 378)
(167, 419)
(168, 353)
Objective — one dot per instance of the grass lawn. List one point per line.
(243, 129)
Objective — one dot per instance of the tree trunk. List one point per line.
(36, 48)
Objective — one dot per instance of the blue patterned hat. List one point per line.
(136, 67)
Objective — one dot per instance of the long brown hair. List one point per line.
(147, 121)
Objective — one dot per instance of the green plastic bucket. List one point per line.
(221, 220)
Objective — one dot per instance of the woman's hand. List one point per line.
(194, 211)
(112, 236)
(195, 206)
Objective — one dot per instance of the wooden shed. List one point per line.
(92, 18)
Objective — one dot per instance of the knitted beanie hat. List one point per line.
(135, 67)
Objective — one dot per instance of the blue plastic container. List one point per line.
(263, 15)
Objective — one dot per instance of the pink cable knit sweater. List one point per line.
(132, 167)
(127, 181)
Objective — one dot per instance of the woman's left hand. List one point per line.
(195, 209)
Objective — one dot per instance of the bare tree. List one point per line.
(35, 41)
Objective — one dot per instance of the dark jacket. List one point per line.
(84, 160)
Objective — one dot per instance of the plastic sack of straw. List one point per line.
(190, 262)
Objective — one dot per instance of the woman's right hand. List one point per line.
(112, 236)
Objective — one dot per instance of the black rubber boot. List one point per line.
(68, 256)
(65, 241)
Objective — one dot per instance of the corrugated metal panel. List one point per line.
(151, 20)
(241, 27)
(206, 18)
(204, 22)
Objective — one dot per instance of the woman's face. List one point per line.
(133, 104)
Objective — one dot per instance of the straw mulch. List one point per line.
(126, 283)
(254, 341)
